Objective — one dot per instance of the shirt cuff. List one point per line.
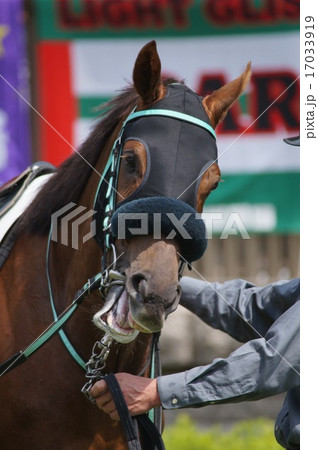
(173, 391)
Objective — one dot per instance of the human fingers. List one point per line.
(108, 407)
(98, 388)
(103, 399)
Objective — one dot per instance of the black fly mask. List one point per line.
(180, 145)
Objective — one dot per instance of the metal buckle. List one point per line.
(86, 391)
(96, 364)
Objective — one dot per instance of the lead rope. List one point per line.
(149, 434)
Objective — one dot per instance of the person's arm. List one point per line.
(237, 307)
(258, 369)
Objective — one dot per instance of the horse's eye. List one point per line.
(130, 162)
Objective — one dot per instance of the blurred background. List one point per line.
(60, 59)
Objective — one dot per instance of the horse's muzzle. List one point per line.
(142, 305)
(151, 301)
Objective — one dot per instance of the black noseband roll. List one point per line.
(162, 217)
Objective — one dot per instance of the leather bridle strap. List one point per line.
(133, 426)
(17, 359)
(155, 414)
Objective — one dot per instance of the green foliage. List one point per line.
(245, 435)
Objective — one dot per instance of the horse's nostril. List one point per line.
(136, 280)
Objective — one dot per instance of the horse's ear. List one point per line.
(219, 102)
(147, 74)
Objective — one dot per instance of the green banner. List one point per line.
(82, 19)
(264, 202)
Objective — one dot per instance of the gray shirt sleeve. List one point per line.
(237, 307)
(260, 368)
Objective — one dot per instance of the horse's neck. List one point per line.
(23, 291)
(71, 265)
(81, 258)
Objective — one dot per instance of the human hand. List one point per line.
(141, 394)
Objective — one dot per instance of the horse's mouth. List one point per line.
(116, 318)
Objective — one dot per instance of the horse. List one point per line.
(42, 404)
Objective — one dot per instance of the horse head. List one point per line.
(168, 165)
